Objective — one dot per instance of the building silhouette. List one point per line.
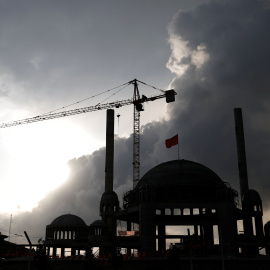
(202, 210)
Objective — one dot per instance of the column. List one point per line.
(162, 233)
(54, 252)
(147, 221)
(128, 229)
(62, 252)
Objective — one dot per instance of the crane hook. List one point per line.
(118, 115)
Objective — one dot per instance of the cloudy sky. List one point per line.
(215, 54)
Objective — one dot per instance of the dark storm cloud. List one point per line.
(234, 73)
(57, 48)
(220, 54)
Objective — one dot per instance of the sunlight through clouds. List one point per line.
(183, 56)
(38, 165)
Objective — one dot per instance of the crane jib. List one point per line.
(137, 101)
(169, 95)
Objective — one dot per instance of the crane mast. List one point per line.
(136, 134)
(137, 101)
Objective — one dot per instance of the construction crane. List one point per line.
(137, 101)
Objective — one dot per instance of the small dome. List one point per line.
(252, 197)
(178, 173)
(267, 224)
(267, 229)
(98, 223)
(109, 197)
(68, 220)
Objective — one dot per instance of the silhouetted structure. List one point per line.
(201, 210)
(66, 231)
(182, 193)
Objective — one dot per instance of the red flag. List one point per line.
(172, 141)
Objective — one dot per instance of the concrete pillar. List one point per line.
(62, 252)
(209, 235)
(196, 230)
(227, 227)
(267, 234)
(128, 229)
(162, 234)
(247, 224)
(161, 237)
(54, 252)
(147, 221)
(208, 231)
(201, 226)
(259, 224)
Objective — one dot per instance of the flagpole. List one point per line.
(178, 150)
(178, 147)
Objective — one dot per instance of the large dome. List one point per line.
(68, 220)
(181, 181)
(178, 173)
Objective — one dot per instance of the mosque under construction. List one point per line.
(182, 195)
(179, 210)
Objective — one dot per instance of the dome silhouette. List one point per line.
(68, 220)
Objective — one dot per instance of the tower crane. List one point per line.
(137, 101)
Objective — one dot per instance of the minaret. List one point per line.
(109, 203)
(251, 200)
(243, 178)
(241, 151)
(109, 151)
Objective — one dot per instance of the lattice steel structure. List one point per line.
(136, 134)
(138, 107)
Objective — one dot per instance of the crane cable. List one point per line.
(14, 234)
(19, 235)
(163, 91)
(51, 115)
(64, 107)
(113, 94)
(124, 86)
